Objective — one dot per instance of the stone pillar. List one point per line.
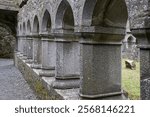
(22, 47)
(29, 49)
(48, 56)
(144, 45)
(140, 29)
(67, 62)
(36, 52)
(101, 63)
(19, 44)
(24, 43)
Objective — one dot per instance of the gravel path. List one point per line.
(12, 84)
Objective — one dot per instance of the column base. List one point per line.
(101, 95)
(24, 57)
(47, 73)
(48, 68)
(36, 66)
(117, 97)
(68, 77)
(66, 84)
(29, 61)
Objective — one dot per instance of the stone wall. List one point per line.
(7, 42)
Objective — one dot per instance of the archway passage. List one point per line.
(105, 13)
(64, 16)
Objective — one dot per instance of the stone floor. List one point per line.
(12, 84)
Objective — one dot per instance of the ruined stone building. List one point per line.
(74, 46)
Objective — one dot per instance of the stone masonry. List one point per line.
(74, 46)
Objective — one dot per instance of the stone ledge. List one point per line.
(47, 82)
(65, 94)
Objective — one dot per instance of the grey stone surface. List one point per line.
(145, 89)
(29, 47)
(101, 70)
(37, 51)
(48, 54)
(97, 58)
(12, 84)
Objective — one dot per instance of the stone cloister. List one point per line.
(74, 46)
(75, 43)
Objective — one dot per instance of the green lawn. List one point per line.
(131, 81)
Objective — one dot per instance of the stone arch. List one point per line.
(46, 21)
(28, 26)
(131, 39)
(36, 25)
(64, 16)
(112, 13)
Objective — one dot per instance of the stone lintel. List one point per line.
(66, 84)
(63, 31)
(100, 30)
(100, 43)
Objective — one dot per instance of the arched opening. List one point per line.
(64, 16)
(24, 28)
(36, 25)
(105, 13)
(28, 27)
(46, 23)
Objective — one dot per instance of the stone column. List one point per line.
(101, 63)
(140, 29)
(24, 39)
(144, 45)
(36, 52)
(48, 56)
(67, 61)
(29, 49)
(19, 45)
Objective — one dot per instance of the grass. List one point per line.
(131, 81)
